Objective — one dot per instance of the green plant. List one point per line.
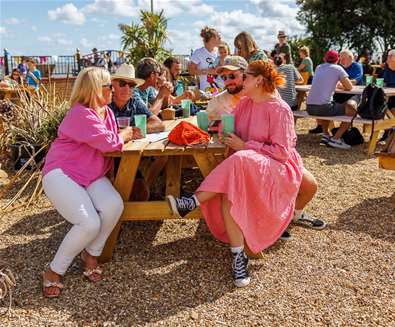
(146, 39)
(31, 125)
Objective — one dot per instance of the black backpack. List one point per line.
(373, 103)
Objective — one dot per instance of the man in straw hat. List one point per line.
(125, 104)
(232, 73)
(282, 48)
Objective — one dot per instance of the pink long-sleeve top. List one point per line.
(83, 138)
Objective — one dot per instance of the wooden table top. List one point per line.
(357, 89)
(165, 147)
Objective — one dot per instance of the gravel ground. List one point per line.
(175, 274)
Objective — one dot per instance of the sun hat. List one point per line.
(331, 56)
(233, 63)
(281, 34)
(126, 72)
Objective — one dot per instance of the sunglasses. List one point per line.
(123, 83)
(107, 86)
(229, 76)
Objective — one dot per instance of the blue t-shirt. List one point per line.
(133, 107)
(30, 81)
(148, 96)
(324, 83)
(355, 71)
(389, 76)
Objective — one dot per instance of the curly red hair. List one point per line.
(271, 78)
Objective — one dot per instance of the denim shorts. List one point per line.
(329, 109)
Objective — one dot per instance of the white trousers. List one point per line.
(93, 211)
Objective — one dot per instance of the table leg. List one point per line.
(173, 175)
(372, 142)
(206, 162)
(123, 183)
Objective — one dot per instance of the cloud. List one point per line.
(68, 14)
(85, 43)
(175, 8)
(45, 39)
(12, 21)
(62, 41)
(123, 8)
(34, 28)
(3, 30)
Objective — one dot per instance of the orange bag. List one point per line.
(187, 134)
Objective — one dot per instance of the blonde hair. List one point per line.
(88, 87)
(224, 45)
(305, 50)
(245, 41)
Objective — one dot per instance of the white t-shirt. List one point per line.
(204, 59)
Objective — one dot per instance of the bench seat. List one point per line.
(369, 127)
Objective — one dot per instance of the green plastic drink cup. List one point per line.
(186, 108)
(369, 79)
(140, 121)
(228, 125)
(202, 120)
(379, 82)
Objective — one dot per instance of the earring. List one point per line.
(256, 85)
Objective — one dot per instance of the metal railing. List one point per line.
(71, 65)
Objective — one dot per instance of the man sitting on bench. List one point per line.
(320, 102)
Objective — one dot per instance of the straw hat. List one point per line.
(126, 72)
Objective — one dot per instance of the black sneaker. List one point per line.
(310, 221)
(286, 236)
(181, 206)
(317, 130)
(241, 278)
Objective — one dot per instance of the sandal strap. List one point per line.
(90, 272)
(47, 283)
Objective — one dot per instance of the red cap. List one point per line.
(331, 56)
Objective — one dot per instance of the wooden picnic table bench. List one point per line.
(207, 158)
(373, 127)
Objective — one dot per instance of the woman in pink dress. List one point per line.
(250, 197)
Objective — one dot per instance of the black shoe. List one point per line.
(317, 130)
(181, 206)
(241, 278)
(310, 221)
(286, 236)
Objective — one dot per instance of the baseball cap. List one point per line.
(233, 63)
(331, 56)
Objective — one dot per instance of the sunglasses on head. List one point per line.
(123, 83)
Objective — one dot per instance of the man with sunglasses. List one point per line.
(125, 104)
(232, 73)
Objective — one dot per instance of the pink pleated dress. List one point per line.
(262, 181)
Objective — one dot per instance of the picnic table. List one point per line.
(207, 158)
(356, 89)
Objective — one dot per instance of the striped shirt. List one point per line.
(288, 92)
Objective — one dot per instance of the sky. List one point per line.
(43, 27)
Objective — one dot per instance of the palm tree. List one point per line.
(145, 39)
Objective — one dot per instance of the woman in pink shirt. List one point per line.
(250, 197)
(75, 176)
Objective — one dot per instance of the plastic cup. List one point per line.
(368, 79)
(186, 108)
(228, 124)
(123, 122)
(202, 120)
(379, 82)
(140, 121)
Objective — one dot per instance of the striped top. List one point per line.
(288, 92)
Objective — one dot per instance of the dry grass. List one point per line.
(176, 274)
